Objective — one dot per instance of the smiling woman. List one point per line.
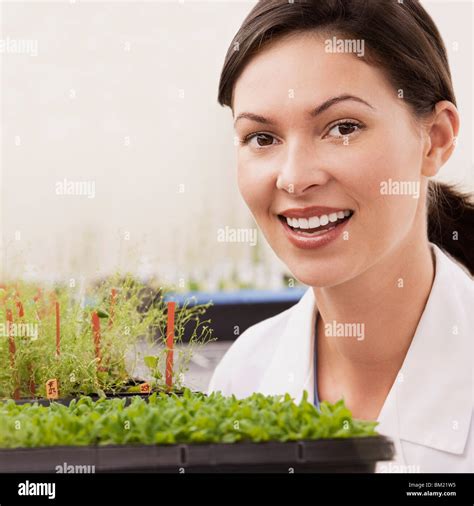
(336, 151)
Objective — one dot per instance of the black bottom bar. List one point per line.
(238, 489)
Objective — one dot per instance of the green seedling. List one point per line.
(169, 419)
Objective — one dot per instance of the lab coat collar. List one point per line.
(291, 367)
(430, 402)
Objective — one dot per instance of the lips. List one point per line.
(313, 227)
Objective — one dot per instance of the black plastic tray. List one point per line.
(322, 455)
(67, 400)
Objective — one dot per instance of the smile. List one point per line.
(314, 230)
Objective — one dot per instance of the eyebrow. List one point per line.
(315, 112)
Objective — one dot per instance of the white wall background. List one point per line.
(123, 94)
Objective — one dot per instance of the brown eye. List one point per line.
(264, 140)
(260, 140)
(344, 129)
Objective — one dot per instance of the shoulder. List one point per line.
(244, 362)
(452, 272)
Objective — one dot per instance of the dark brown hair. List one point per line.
(401, 39)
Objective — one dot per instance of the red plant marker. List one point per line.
(170, 344)
(58, 328)
(96, 333)
(12, 349)
(21, 311)
(31, 382)
(113, 295)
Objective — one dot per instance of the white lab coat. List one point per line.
(428, 411)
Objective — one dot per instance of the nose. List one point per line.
(301, 169)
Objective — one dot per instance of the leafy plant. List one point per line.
(130, 316)
(168, 419)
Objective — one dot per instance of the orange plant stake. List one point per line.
(96, 333)
(31, 381)
(170, 344)
(21, 311)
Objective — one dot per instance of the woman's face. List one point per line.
(346, 157)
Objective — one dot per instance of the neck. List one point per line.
(387, 301)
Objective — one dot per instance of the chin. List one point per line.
(320, 272)
(317, 278)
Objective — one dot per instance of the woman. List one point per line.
(343, 112)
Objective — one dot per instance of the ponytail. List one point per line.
(451, 222)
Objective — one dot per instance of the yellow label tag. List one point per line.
(145, 388)
(52, 390)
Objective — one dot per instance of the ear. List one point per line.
(442, 131)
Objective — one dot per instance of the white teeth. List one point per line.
(324, 219)
(317, 221)
(303, 223)
(313, 222)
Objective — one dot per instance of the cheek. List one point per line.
(362, 169)
(255, 184)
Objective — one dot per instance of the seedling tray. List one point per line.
(346, 455)
(67, 400)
